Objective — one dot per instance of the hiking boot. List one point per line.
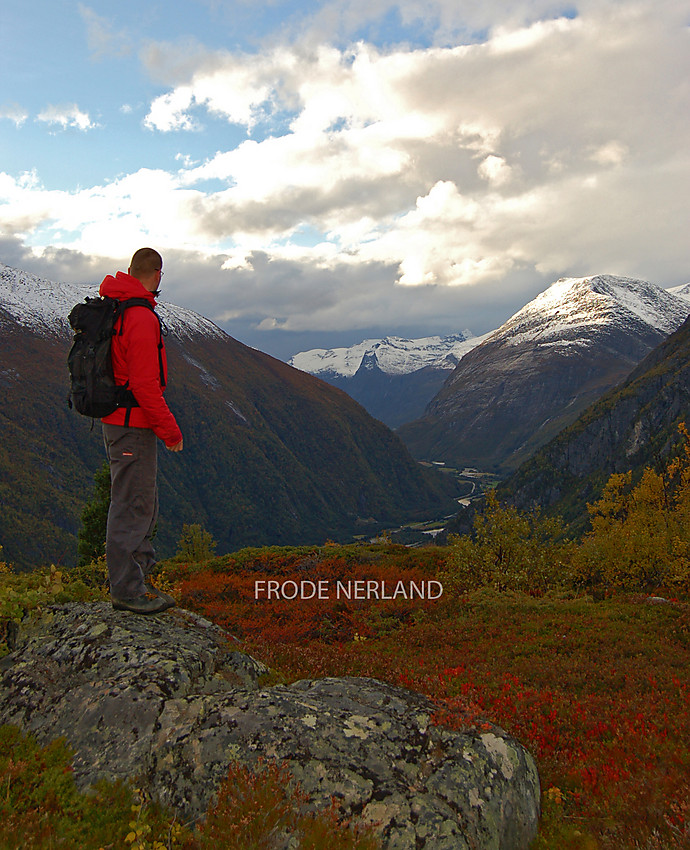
(144, 604)
(151, 588)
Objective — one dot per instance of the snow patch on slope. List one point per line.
(43, 305)
(682, 291)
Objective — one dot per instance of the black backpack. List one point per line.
(93, 391)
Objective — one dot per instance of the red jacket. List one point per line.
(135, 359)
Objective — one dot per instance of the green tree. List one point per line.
(94, 519)
(195, 544)
(640, 537)
(508, 551)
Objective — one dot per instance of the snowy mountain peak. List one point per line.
(393, 355)
(682, 291)
(44, 305)
(565, 314)
(570, 305)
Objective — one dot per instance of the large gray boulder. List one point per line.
(173, 701)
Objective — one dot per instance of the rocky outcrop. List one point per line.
(173, 701)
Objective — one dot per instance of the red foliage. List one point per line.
(247, 606)
(598, 692)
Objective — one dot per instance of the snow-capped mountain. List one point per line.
(393, 378)
(571, 309)
(682, 291)
(629, 429)
(393, 355)
(536, 373)
(44, 305)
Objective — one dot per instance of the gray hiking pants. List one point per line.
(133, 457)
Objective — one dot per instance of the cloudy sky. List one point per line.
(316, 172)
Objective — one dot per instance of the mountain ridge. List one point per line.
(393, 378)
(534, 375)
(633, 426)
(392, 354)
(44, 305)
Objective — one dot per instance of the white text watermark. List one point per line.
(357, 589)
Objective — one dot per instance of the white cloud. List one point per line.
(525, 121)
(66, 116)
(611, 153)
(147, 206)
(170, 111)
(102, 38)
(235, 87)
(13, 112)
(547, 146)
(495, 170)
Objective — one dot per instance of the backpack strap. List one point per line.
(127, 395)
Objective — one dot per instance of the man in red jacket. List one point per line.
(131, 433)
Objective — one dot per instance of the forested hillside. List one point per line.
(632, 427)
(272, 455)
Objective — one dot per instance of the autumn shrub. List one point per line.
(41, 807)
(261, 808)
(231, 598)
(597, 691)
(26, 594)
(255, 809)
(196, 545)
(93, 574)
(509, 550)
(278, 560)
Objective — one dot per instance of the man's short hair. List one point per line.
(145, 261)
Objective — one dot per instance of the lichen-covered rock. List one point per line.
(172, 700)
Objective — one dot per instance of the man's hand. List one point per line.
(177, 447)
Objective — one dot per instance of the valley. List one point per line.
(490, 401)
(472, 486)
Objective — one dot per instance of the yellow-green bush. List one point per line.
(195, 545)
(24, 593)
(639, 540)
(508, 551)
(640, 537)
